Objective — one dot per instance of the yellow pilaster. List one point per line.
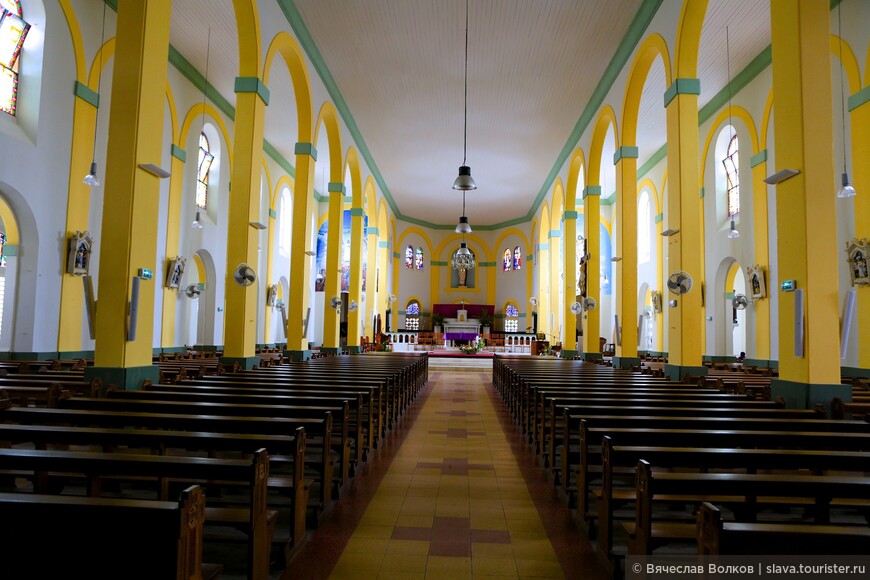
(383, 291)
(270, 260)
(591, 228)
(69, 337)
(685, 321)
(333, 265)
(356, 264)
(860, 121)
(569, 282)
(543, 288)
(761, 308)
(300, 263)
(173, 226)
(129, 228)
(626, 248)
(371, 271)
(240, 326)
(554, 321)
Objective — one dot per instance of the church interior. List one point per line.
(575, 237)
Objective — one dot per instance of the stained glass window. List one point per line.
(13, 31)
(418, 258)
(511, 322)
(409, 257)
(412, 316)
(205, 161)
(643, 228)
(733, 176)
(518, 259)
(507, 262)
(2, 250)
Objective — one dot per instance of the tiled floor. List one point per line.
(460, 497)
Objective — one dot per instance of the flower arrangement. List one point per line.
(473, 347)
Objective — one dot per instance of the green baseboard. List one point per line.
(297, 355)
(50, 355)
(855, 372)
(805, 396)
(246, 362)
(678, 372)
(625, 362)
(355, 349)
(331, 349)
(591, 356)
(75, 354)
(127, 378)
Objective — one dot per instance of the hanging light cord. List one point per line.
(463, 203)
(842, 74)
(205, 82)
(465, 119)
(99, 84)
(728, 57)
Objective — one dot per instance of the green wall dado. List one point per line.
(129, 378)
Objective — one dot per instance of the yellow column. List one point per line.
(860, 121)
(371, 271)
(300, 268)
(356, 263)
(543, 288)
(592, 318)
(129, 228)
(240, 326)
(333, 267)
(569, 282)
(625, 160)
(805, 204)
(270, 259)
(761, 308)
(553, 318)
(685, 320)
(384, 292)
(173, 227)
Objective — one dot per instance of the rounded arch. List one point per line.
(653, 47)
(605, 121)
(196, 112)
(283, 181)
(575, 166)
(766, 117)
(849, 63)
(454, 239)
(512, 232)
(647, 183)
(328, 116)
(205, 323)
(173, 112)
(371, 201)
(248, 28)
(691, 22)
(415, 230)
(721, 120)
(284, 44)
(351, 160)
(101, 59)
(75, 33)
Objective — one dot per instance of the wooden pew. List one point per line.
(716, 537)
(94, 467)
(617, 457)
(645, 535)
(46, 396)
(103, 539)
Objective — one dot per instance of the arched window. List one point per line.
(507, 262)
(518, 259)
(285, 222)
(409, 257)
(412, 315)
(643, 228)
(205, 161)
(511, 318)
(732, 175)
(418, 258)
(13, 31)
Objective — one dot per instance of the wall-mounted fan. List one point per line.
(244, 275)
(679, 282)
(353, 305)
(576, 308)
(589, 304)
(739, 302)
(533, 301)
(192, 291)
(335, 302)
(392, 298)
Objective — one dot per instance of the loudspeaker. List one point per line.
(305, 323)
(284, 320)
(90, 305)
(618, 330)
(134, 310)
(799, 322)
(640, 323)
(846, 322)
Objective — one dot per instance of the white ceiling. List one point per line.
(532, 68)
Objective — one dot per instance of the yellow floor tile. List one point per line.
(486, 550)
(494, 566)
(413, 547)
(374, 532)
(398, 562)
(415, 521)
(539, 569)
(366, 546)
(442, 567)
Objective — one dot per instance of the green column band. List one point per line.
(253, 85)
(758, 158)
(179, 153)
(591, 190)
(555, 233)
(543, 246)
(438, 263)
(306, 149)
(396, 255)
(356, 212)
(570, 215)
(626, 152)
(859, 98)
(336, 187)
(486, 264)
(682, 87)
(383, 244)
(371, 231)
(660, 217)
(273, 214)
(83, 92)
(702, 193)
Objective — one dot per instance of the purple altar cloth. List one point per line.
(460, 335)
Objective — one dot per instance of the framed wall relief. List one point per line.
(174, 272)
(757, 284)
(656, 300)
(272, 295)
(857, 256)
(79, 257)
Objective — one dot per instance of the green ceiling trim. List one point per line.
(758, 158)
(336, 187)
(662, 153)
(625, 152)
(83, 92)
(591, 190)
(197, 80)
(609, 200)
(178, 153)
(660, 218)
(682, 87)
(305, 149)
(632, 37)
(276, 156)
(253, 85)
(859, 98)
(743, 78)
(304, 38)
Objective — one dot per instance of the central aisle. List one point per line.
(455, 501)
